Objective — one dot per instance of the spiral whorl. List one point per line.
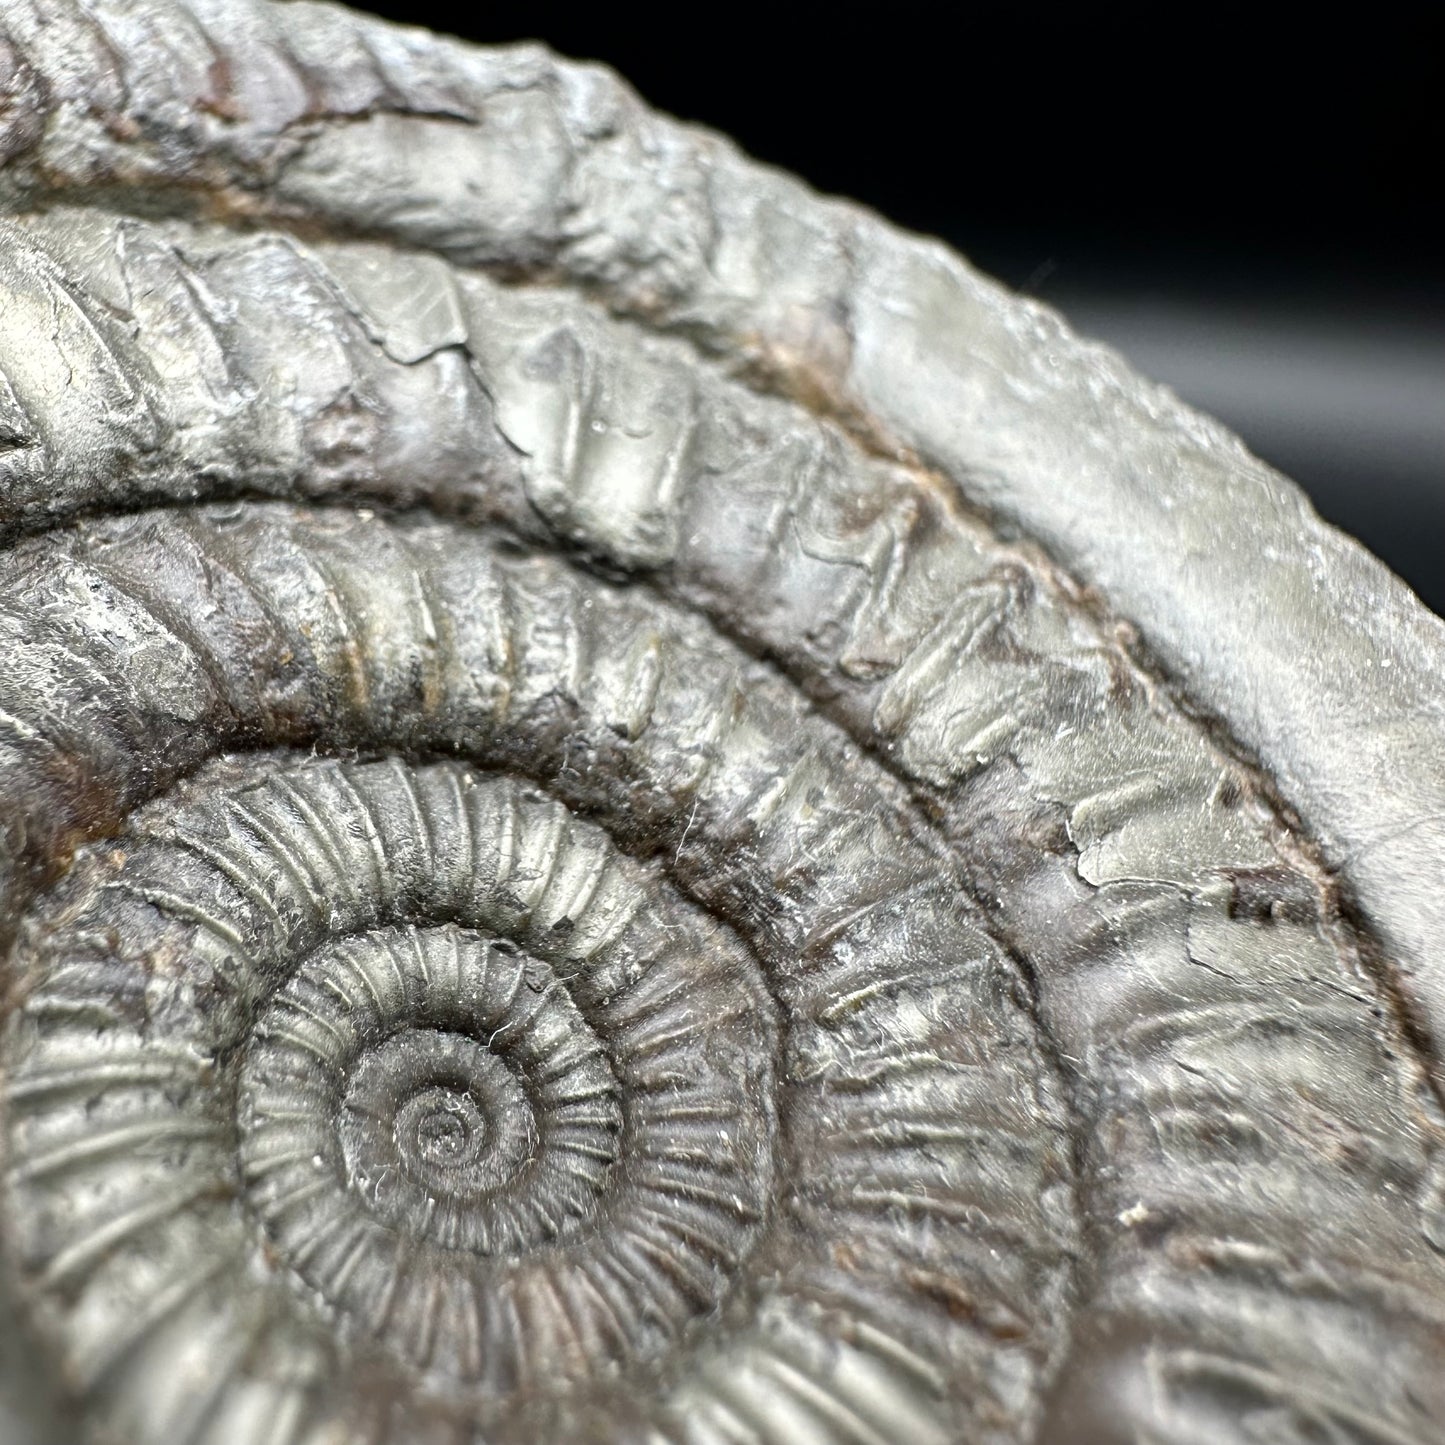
(557, 883)
(502, 1104)
(523, 1137)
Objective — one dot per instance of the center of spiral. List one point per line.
(507, 1154)
(446, 1127)
(436, 1085)
(439, 1110)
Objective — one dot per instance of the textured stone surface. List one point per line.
(637, 808)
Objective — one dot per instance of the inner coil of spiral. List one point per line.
(442, 1077)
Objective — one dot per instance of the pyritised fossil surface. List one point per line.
(633, 808)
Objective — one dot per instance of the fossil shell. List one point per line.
(559, 883)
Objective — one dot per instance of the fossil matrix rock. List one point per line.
(635, 808)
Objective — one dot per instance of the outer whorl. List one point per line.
(558, 883)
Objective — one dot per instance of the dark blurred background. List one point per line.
(1244, 206)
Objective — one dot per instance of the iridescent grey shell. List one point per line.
(561, 880)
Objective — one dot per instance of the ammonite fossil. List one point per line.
(633, 808)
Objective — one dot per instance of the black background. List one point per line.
(1243, 204)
